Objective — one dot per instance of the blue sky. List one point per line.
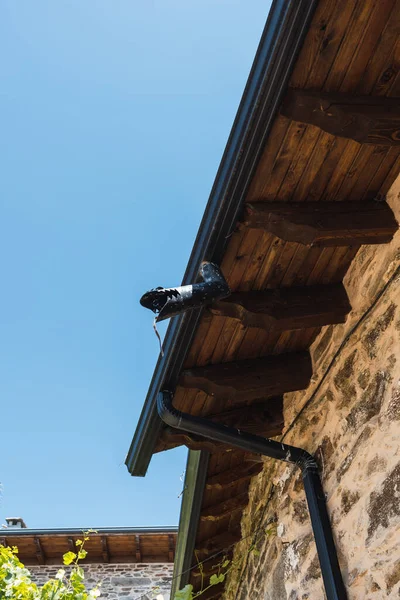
(114, 117)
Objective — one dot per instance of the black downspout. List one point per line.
(332, 577)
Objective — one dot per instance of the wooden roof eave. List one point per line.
(284, 32)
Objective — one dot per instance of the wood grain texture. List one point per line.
(351, 48)
(364, 119)
(324, 223)
(251, 379)
(287, 308)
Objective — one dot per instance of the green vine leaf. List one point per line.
(225, 563)
(215, 579)
(69, 557)
(82, 554)
(185, 594)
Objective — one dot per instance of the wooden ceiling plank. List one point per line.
(293, 269)
(230, 477)
(324, 40)
(324, 223)
(357, 30)
(366, 47)
(299, 162)
(315, 163)
(226, 507)
(382, 67)
(336, 264)
(272, 256)
(343, 168)
(283, 159)
(390, 178)
(280, 265)
(321, 264)
(248, 347)
(219, 542)
(322, 177)
(288, 307)
(358, 175)
(255, 264)
(274, 143)
(363, 180)
(374, 189)
(201, 333)
(342, 268)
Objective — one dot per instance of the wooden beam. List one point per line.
(40, 555)
(287, 308)
(104, 549)
(171, 549)
(71, 545)
(218, 511)
(262, 418)
(222, 541)
(231, 477)
(138, 552)
(364, 119)
(324, 223)
(253, 379)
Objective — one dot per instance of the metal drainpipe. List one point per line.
(169, 302)
(332, 577)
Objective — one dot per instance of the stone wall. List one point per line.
(349, 418)
(119, 581)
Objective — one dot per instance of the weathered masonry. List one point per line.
(303, 222)
(129, 562)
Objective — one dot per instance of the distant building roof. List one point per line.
(105, 545)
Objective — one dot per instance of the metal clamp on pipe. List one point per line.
(169, 302)
(332, 577)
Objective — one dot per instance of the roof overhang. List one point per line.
(283, 35)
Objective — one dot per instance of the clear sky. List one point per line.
(114, 117)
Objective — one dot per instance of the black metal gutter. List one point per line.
(331, 575)
(284, 32)
(195, 478)
(10, 531)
